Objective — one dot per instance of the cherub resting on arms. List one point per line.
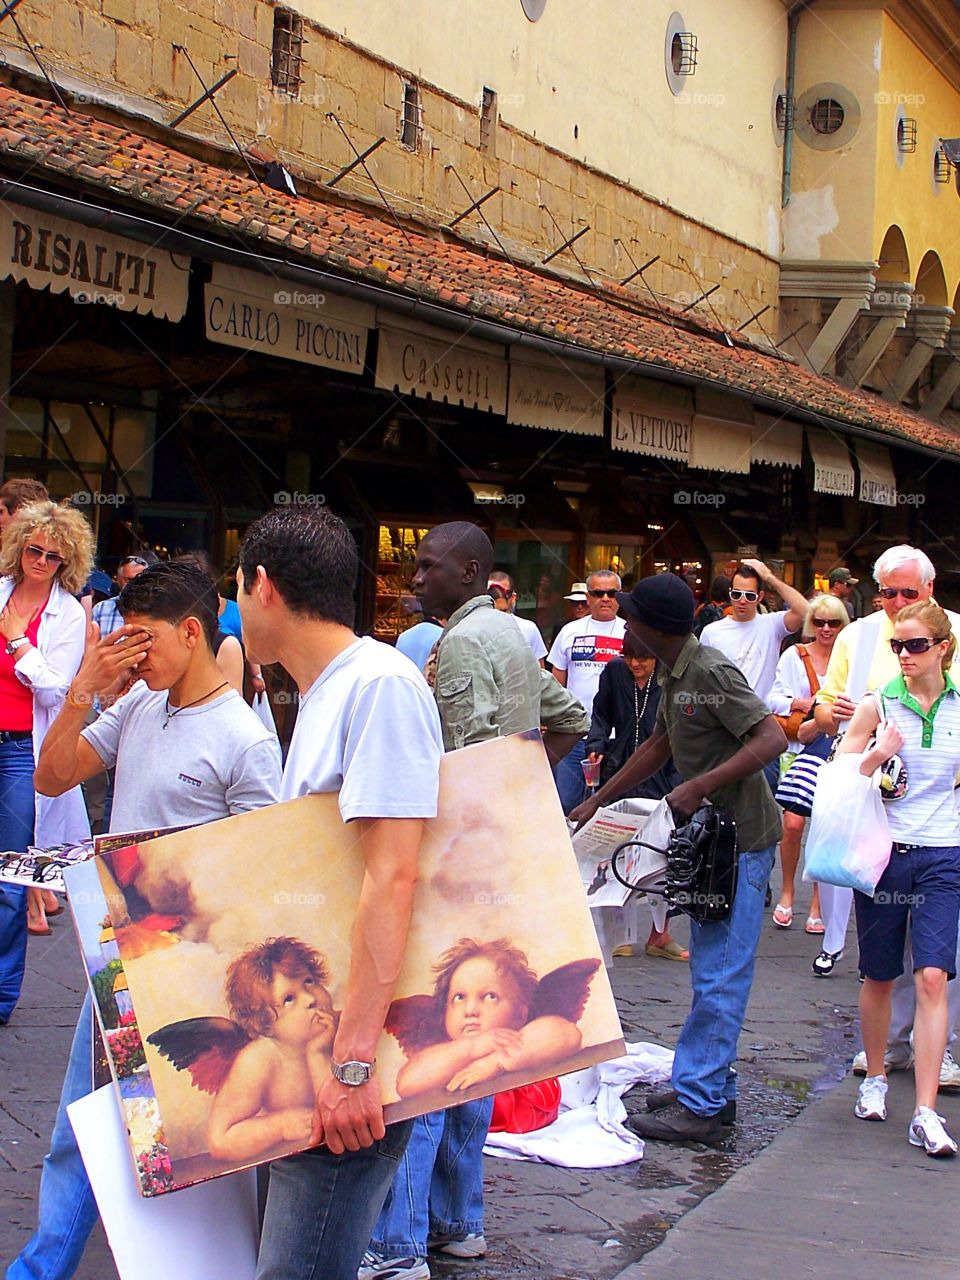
(488, 1015)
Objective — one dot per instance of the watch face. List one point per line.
(354, 1073)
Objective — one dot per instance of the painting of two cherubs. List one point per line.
(237, 993)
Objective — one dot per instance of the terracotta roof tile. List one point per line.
(423, 263)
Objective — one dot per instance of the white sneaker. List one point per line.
(468, 1246)
(891, 1062)
(375, 1267)
(872, 1099)
(927, 1131)
(949, 1074)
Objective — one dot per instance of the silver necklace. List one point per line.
(639, 711)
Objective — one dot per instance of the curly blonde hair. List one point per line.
(63, 525)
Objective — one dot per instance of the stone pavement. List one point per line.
(797, 1189)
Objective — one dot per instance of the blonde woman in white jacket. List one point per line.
(46, 556)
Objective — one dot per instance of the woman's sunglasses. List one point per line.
(37, 554)
(736, 594)
(919, 644)
(891, 593)
(827, 622)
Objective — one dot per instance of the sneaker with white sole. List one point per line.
(891, 1062)
(949, 1074)
(472, 1245)
(927, 1131)
(872, 1099)
(375, 1267)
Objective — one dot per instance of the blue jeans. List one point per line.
(721, 973)
(17, 812)
(438, 1188)
(321, 1209)
(569, 776)
(67, 1210)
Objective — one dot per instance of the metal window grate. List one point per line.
(826, 115)
(941, 166)
(683, 53)
(906, 135)
(488, 119)
(410, 123)
(287, 59)
(784, 110)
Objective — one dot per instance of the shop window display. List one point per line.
(396, 551)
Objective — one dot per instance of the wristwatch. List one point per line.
(14, 645)
(352, 1073)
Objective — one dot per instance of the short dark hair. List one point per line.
(310, 557)
(720, 589)
(172, 592)
(16, 493)
(744, 571)
(509, 586)
(468, 541)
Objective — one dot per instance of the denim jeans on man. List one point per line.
(722, 957)
(67, 1210)
(17, 811)
(569, 776)
(438, 1190)
(321, 1209)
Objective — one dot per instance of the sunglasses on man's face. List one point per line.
(612, 593)
(132, 560)
(736, 594)
(36, 554)
(891, 593)
(919, 644)
(827, 622)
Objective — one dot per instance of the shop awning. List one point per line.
(833, 470)
(777, 442)
(556, 394)
(438, 364)
(652, 418)
(878, 484)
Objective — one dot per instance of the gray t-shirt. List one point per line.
(201, 764)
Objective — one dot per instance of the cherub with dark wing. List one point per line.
(265, 1063)
(489, 1014)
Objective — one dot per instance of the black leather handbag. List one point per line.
(702, 863)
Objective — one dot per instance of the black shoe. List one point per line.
(660, 1098)
(676, 1123)
(768, 896)
(822, 965)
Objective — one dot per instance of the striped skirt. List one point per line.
(795, 792)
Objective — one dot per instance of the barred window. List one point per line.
(410, 124)
(287, 59)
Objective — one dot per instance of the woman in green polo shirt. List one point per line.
(918, 716)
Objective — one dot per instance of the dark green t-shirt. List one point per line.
(707, 709)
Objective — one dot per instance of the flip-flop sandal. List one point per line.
(814, 925)
(670, 951)
(782, 916)
(57, 911)
(37, 931)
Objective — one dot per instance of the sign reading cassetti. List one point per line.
(440, 365)
(92, 266)
(262, 313)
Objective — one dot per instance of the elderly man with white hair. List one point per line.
(863, 660)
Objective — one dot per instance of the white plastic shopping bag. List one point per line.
(849, 842)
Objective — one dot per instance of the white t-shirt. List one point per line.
(197, 765)
(531, 633)
(369, 728)
(754, 647)
(582, 649)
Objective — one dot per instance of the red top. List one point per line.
(16, 698)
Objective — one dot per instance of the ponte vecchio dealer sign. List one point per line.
(92, 266)
(263, 313)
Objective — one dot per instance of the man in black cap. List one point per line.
(842, 583)
(720, 735)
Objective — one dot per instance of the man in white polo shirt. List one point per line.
(578, 656)
(529, 630)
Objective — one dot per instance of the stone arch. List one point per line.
(893, 257)
(931, 285)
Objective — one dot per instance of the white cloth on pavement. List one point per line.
(589, 1132)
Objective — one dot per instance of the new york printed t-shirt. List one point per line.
(752, 646)
(369, 728)
(208, 762)
(582, 649)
